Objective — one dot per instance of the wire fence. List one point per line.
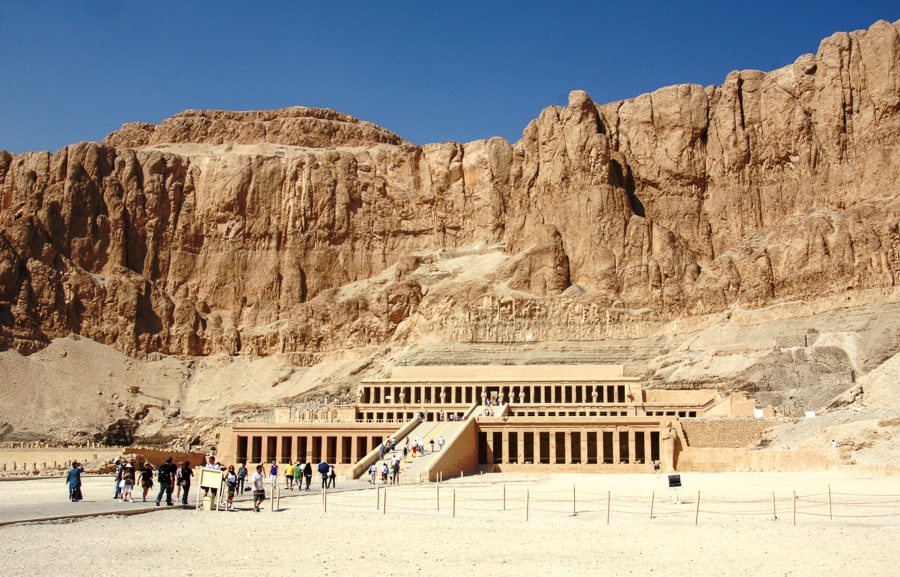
(512, 501)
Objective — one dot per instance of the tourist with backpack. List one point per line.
(166, 479)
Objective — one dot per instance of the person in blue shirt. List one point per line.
(73, 480)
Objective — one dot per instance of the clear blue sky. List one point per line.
(430, 71)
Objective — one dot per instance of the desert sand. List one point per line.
(354, 532)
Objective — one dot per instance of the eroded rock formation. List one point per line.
(305, 230)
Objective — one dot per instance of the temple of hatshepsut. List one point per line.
(503, 418)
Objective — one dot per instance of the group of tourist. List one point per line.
(170, 477)
(176, 478)
(391, 472)
(418, 446)
(294, 475)
(387, 473)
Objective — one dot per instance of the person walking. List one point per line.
(231, 485)
(323, 470)
(178, 485)
(289, 475)
(146, 479)
(273, 476)
(186, 474)
(166, 478)
(73, 480)
(307, 474)
(298, 475)
(127, 482)
(241, 477)
(119, 466)
(259, 488)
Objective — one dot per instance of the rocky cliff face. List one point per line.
(307, 231)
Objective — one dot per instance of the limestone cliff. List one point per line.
(306, 231)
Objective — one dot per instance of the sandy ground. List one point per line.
(491, 525)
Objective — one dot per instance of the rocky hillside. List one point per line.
(309, 234)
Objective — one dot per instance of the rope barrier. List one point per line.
(479, 501)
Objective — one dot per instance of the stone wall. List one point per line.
(718, 460)
(726, 433)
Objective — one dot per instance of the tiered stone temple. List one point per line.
(505, 417)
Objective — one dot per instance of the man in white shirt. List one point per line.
(259, 488)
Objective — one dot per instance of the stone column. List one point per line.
(617, 452)
(354, 448)
(263, 449)
(505, 447)
(568, 441)
(552, 455)
(631, 445)
(648, 448)
(307, 450)
(584, 447)
(339, 450)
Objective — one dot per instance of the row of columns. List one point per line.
(617, 445)
(469, 394)
(431, 413)
(341, 448)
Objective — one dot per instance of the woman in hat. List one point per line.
(127, 482)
